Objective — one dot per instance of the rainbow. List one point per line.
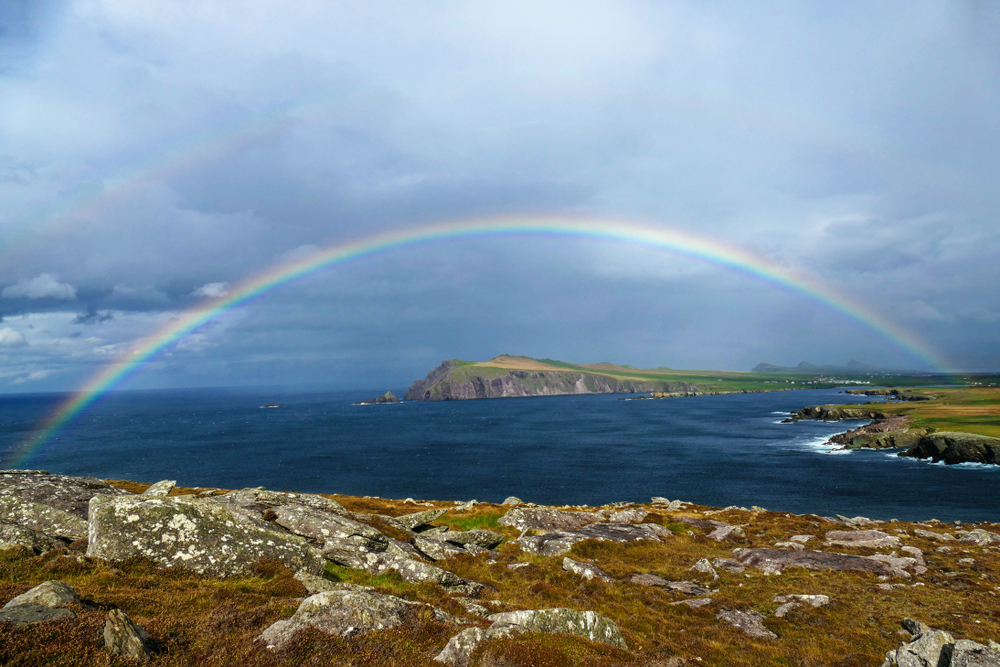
(683, 243)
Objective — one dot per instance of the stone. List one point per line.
(352, 551)
(12, 535)
(437, 549)
(162, 488)
(915, 553)
(705, 567)
(694, 603)
(811, 600)
(317, 584)
(924, 651)
(472, 606)
(558, 542)
(587, 624)
(797, 546)
(260, 500)
(69, 494)
(122, 637)
(323, 526)
(730, 565)
(412, 521)
(197, 534)
(659, 500)
(482, 538)
(979, 537)
(724, 533)
(802, 539)
(414, 571)
(931, 535)
(341, 613)
(633, 515)
(44, 519)
(459, 648)
(588, 571)
(870, 539)
(23, 614)
(971, 654)
(749, 621)
(512, 500)
(685, 587)
(47, 594)
(773, 561)
(526, 518)
(955, 447)
(916, 628)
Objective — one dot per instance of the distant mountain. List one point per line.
(852, 367)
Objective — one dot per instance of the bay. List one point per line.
(592, 449)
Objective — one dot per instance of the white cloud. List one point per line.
(11, 338)
(142, 293)
(212, 290)
(42, 287)
(34, 375)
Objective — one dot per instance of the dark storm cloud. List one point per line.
(148, 158)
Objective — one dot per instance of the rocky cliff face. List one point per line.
(451, 382)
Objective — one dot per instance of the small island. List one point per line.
(384, 399)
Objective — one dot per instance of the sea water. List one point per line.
(594, 449)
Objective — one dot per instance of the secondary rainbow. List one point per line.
(675, 241)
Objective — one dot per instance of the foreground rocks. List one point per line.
(936, 648)
(44, 602)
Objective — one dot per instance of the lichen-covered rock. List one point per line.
(12, 535)
(48, 594)
(705, 567)
(685, 587)
(415, 520)
(351, 551)
(437, 549)
(200, 535)
(44, 519)
(971, 654)
(954, 447)
(794, 601)
(122, 637)
(871, 539)
(727, 533)
(260, 500)
(775, 560)
(558, 542)
(924, 650)
(633, 515)
(587, 624)
(344, 614)
(323, 526)
(541, 518)
(931, 535)
(161, 488)
(730, 565)
(749, 621)
(459, 648)
(588, 571)
(69, 494)
(980, 537)
(482, 538)
(23, 614)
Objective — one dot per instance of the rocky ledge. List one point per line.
(895, 432)
(385, 398)
(269, 577)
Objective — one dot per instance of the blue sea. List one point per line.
(711, 450)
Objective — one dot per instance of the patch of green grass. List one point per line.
(487, 521)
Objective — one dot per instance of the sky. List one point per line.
(155, 155)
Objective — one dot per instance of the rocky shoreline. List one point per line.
(887, 431)
(471, 580)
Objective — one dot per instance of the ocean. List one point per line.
(594, 449)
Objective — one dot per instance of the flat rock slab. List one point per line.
(587, 624)
(69, 494)
(459, 648)
(588, 571)
(41, 518)
(342, 613)
(972, 654)
(632, 515)
(540, 518)
(749, 621)
(161, 488)
(437, 549)
(260, 500)
(323, 525)
(558, 542)
(685, 587)
(48, 594)
(200, 535)
(415, 520)
(776, 560)
(23, 614)
(480, 537)
(871, 539)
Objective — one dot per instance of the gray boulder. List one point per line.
(685, 587)
(632, 515)
(587, 624)
(541, 518)
(69, 494)
(259, 500)
(48, 594)
(971, 654)
(749, 621)
(200, 535)
(415, 520)
(727, 533)
(437, 549)
(931, 649)
(730, 565)
(588, 571)
(482, 538)
(558, 542)
(161, 488)
(12, 535)
(40, 518)
(459, 648)
(871, 539)
(122, 637)
(323, 525)
(344, 613)
(931, 535)
(776, 560)
(23, 614)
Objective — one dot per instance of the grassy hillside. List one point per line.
(964, 409)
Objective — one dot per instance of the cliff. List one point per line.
(461, 380)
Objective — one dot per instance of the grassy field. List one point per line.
(965, 409)
(198, 620)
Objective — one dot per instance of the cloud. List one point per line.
(92, 317)
(212, 290)
(45, 286)
(34, 375)
(11, 338)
